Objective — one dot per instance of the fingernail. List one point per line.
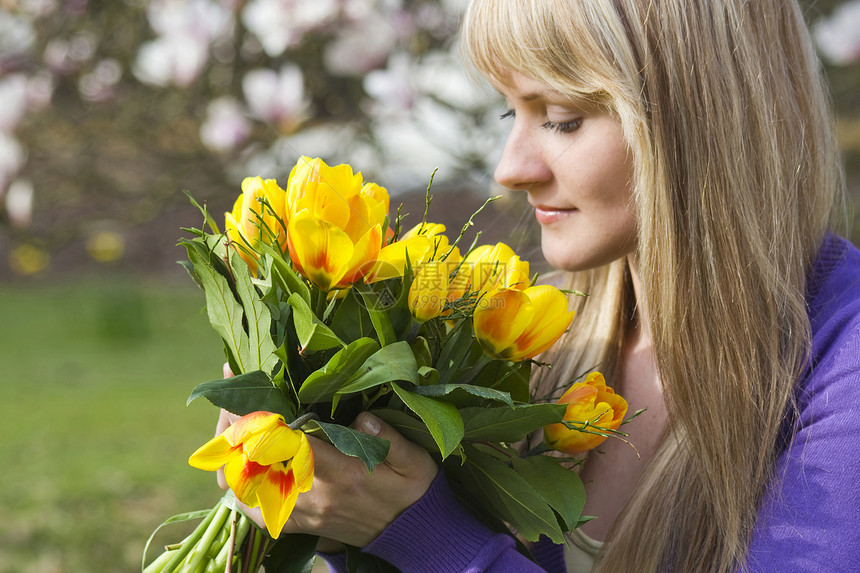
(371, 424)
(226, 370)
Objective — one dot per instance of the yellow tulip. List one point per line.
(336, 222)
(266, 464)
(513, 324)
(326, 255)
(429, 290)
(251, 222)
(589, 401)
(423, 242)
(495, 267)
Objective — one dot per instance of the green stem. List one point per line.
(243, 524)
(157, 565)
(191, 541)
(383, 390)
(201, 550)
(302, 420)
(258, 551)
(537, 450)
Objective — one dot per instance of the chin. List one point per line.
(563, 257)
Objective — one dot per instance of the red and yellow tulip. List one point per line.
(266, 464)
(335, 223)
(252, 222)
(590, 401)
(514, 324)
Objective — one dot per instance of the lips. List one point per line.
(546, 214)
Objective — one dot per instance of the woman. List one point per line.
(681, 159)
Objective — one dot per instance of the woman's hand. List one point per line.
(346, 503)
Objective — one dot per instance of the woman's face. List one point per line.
(571, 159)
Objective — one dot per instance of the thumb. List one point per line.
(404, 457)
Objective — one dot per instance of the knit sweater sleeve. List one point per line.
(436, 535)
(810, 518)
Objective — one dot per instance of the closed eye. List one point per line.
(508, 114)
(564, 126)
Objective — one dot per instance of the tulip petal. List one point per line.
(425, 229)
(488, 265)
(276, 445)
(244, 476)
(551, 319)
(429, 290)
(302, 464)
(213, 454)
(364, 255)
(391, 261)
(578, 393)
(500, 318)
(250, 424)
(319, 250)
(277, 495)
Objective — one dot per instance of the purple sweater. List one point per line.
(810, 518)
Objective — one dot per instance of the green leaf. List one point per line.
(504, 424)
(511, 496)
(412, 428)
(351, 321)
(441, 418)
(225, 312)
(560, 487)
(313, 334)
(245, 393)
(369, 449)
(510, 377)
(189, 268)
(378, 311)
(206, 216)
(389, 363)
(261, 348)
(322, 384)
(455, 350)
(428, 376)
(212, 249)
(285, 276)
(439, 390)
(293, 553)
(421, 350)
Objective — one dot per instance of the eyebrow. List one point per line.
(549, 94)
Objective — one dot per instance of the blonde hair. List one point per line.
(736, 179)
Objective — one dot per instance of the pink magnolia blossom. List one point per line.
(225, 127)
(277, 97)
(838, 36)
(282, 24)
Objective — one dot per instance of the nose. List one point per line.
(522, 164)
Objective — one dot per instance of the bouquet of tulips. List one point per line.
(327, 308)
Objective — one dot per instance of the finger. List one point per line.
(329, 462)
(404, 457)
(225, 420)
(226, 369)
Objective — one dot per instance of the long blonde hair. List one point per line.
(736, 179)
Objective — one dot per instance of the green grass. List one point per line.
(94, 431)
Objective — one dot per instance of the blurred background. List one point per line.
(109, 110)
